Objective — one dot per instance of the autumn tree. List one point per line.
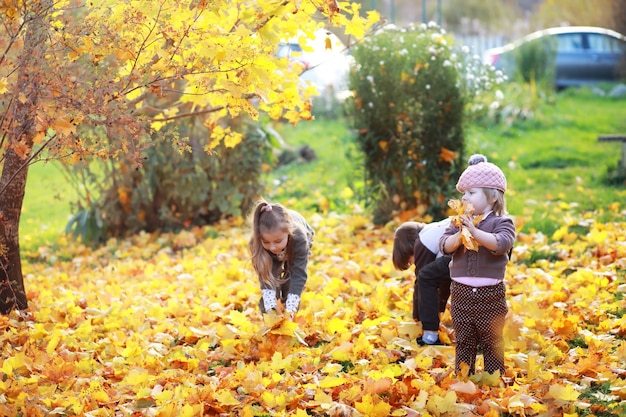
(84, 79)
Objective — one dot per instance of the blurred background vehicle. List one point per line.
(582, 55)
(325, 61)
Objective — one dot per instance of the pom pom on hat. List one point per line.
(481, 174)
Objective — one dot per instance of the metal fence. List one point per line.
(479, 43)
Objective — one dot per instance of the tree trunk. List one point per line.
(21, 116)
(12, 290)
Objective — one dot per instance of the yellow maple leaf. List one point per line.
(225, 397)
(439, 405)
(191, 410)
(63, 126)
(169, 410)
(566, 326)
(598, 236)
(560, 233)
(343, 352)
(492, 380)
(54, 342)
(101, 396)
(321, 398)
(460, 209)
(241, 321)
(332, 381)
(277, 323)
(371, 406)
(3, 85)
(136, 377)
(21, 149)
(132, 348)
(562, 393)
(336, 325)
(468, 240)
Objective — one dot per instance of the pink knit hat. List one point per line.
(481, 174)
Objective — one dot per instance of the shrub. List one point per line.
(515, 102)
(411, 93)
(175, 188)
(535, 62)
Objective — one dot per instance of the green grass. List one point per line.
(554, 165)
(46, 206)
(325, 184)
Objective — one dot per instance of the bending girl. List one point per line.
(280, 246)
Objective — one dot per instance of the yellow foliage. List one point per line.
(459, 209)
(130, 63)
(442, 405)
(562, 393)
(372, 406)
(136, 326)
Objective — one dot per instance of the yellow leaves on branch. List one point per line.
(136, 61)
(460, 209)
(331, 8)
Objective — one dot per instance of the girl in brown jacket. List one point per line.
(478, 295)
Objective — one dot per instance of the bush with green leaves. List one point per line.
(535, 62)
(412, 89)
(176, 188)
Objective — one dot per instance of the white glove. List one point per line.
(269, 299)
(293, 301)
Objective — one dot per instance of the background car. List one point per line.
(584, 55)
(325, 61)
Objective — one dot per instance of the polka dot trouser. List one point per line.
(478, 315)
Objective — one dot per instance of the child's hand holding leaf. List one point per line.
(461, 211)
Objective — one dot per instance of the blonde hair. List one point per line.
(403, 244)
(496, 198)
(267, 217)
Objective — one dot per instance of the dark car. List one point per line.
(584, 55)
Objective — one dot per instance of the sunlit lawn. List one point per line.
(46, 208)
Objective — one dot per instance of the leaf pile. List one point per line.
(169, 325)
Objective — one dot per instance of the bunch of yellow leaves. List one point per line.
(459, 209)
(281, 333)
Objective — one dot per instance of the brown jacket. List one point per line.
(483, 263)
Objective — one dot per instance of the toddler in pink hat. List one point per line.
(477, 293)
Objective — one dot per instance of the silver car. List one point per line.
(584, 54)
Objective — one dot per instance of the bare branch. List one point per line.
(192, 114)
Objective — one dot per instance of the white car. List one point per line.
(325, 61)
